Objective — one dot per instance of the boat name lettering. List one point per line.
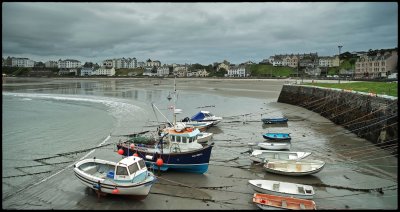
(193, 156)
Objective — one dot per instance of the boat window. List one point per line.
(190, 140)
(142, 164)
(121, 171)
(133, 168)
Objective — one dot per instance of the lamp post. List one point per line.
(340, 47)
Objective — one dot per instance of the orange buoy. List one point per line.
(136, 154)
(159, 162)
(115, 191)
(121, 151)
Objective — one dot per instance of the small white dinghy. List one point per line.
(127, 177)
(261, 156)
(278, 145)
(294, 167)
(283, 188)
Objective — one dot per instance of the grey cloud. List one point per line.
(195, 32)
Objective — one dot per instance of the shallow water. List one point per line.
(46, 117)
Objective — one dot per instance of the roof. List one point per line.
(128, 160)
(184, 133)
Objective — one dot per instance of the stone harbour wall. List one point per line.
(369, 116)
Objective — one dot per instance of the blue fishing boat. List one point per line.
(176, 150)
(206, 116)
(277, 136)
(274, 120)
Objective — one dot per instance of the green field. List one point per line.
(386, 88)
(260, 70)
(126, 71)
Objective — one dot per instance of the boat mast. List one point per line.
(174, 100)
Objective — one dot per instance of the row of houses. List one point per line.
(183, 71)
(177, 70)
(303, 60)
(376, 66)
(129, 63)
(369, 66)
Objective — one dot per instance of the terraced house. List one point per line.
(377, 66)
(328, 61)
(239, 71)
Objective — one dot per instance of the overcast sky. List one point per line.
(194, 32)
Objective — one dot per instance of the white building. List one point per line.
(69, 63)
(237, 72)
(87, 71)
(22, 62)
(181, 71)
(155, 63)
(328, 61)
(105, 72)
(163, 71)
(120, 63)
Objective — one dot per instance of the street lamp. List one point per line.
(340, 47)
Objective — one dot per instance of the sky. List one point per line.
(194, 32)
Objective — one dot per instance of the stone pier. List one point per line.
(368, 115)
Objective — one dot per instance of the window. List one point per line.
(121, 171)
(142, 164)
(184, 140)
(133, 168)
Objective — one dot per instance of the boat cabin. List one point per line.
(129, 169)
(183, 140)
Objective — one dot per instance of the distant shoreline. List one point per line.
(289, 80)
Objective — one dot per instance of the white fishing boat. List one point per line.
(283, 188)
(294, 167)
(260, 156)
(278, 145)
(127, 177)
(273, 202)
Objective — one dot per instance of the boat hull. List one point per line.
(277, 136)
(291, 189)
(275, 145)
(274, 202)
(274, 120)
(195, 161)
(294, 168)
(262, 156)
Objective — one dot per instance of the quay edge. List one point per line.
(370, 116)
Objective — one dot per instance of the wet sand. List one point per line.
(348, 181)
